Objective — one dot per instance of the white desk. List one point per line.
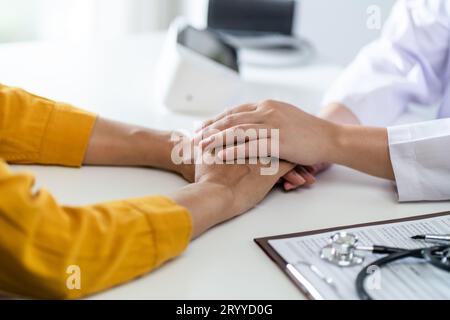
(115, 80)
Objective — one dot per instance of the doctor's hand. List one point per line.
(302, 176)
(305, 176)
(302, 138)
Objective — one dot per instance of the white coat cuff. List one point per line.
(404, 163)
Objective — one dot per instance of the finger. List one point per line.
(238, 109)
(253, 149)
(283, 168)
(309, 178)
(230, 121)
(294, 179)
(318, 168)
(310, 169)
(235, 135)
(288, 186)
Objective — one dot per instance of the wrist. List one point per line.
(155, 148)
(172, 147)
(346, 142)
(219, 194)
(335, 140)
(364, 149)
(338, 144)
(207, 204)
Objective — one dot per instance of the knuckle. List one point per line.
(270, 112)
(229, 111)
(209, 133)
(238, 133)
(267, 102)
(229, 120)
(269, 108)
(206, 123)
(239, 128)
(234, 131)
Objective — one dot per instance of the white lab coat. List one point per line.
(408, 64)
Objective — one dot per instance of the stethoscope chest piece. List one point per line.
(341, 250)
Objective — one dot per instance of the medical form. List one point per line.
(407, 279)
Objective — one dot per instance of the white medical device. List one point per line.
(266, 32)
(197, 72)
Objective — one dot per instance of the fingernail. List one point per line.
(288, 186)
(205, 142)
(306, 172)
(300, 178)
(310, 169)
(221, 155)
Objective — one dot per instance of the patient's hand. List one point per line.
(245, 184)
(224, 191)
(187, 171)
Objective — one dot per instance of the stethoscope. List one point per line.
(343, 250)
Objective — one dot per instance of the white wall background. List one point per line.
(24, 20)
(336, 27)
(81, 19)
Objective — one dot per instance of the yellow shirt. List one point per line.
(53, 251)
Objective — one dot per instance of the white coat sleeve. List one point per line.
(407, 64)
(420, 155)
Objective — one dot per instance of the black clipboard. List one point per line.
(263, 243)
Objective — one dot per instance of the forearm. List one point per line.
(207, 203)
(109, 243)
(120, 144)
(58, 133)
(361, 148)
(338, 113)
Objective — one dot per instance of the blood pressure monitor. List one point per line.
(197, 72)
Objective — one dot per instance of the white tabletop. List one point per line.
(115, 79)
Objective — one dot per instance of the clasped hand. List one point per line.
(303, 139)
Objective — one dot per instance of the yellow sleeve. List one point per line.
(51, 251)
(37, 130)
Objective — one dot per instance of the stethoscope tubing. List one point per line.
(422, 253)
(433, 260)
(387, 250)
